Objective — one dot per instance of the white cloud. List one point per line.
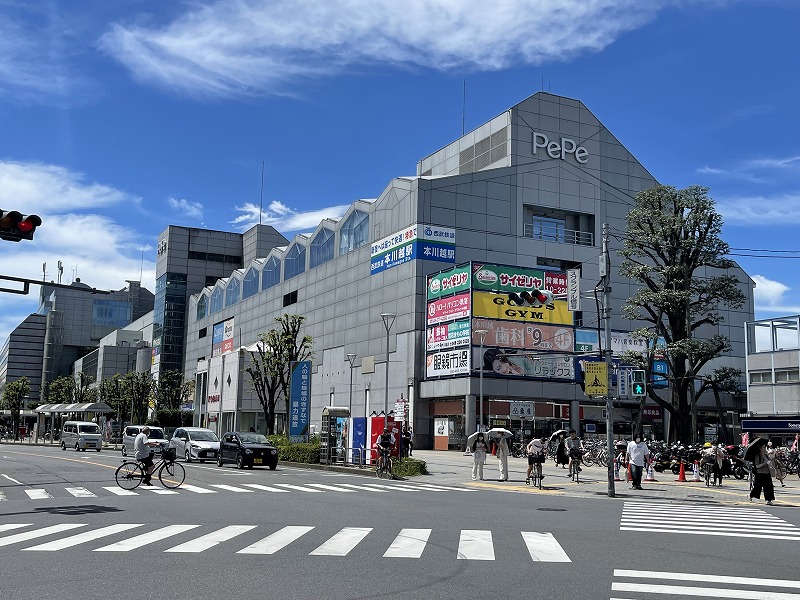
(186, 207)
(253, 47)
(768, 291)
(781, 209)
(284, 218)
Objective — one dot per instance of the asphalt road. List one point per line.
(316, 534)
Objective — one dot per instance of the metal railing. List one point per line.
(557, 235)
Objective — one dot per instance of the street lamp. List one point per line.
(351, 357)
(388, 321)
(482, 334)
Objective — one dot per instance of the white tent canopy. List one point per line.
(95, 407)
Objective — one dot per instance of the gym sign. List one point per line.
(559, 149)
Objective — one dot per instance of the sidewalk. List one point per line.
(456, 468)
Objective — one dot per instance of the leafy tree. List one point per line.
(293, 349)
(173, 390)
(137, 390)
(83, 392)
(13, 400)
(674, 250)
(61, 390)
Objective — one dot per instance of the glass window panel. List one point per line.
(233, 292)
(201, 307)
(353, 232)
(216, 300)
(295, 262)
(321, 248)
(250, 283)
(271, 275)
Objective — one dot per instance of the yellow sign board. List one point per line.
(596, 378)
(496, 306)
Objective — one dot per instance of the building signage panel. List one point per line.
(596, 378)
(498, 278)
(448, 309)
(452, 362)
(771, 425)
(522, 336)
(522, 410)
(574, 289)
(449, 282)
(230, 384)
(299, 400)
(538, 366)
(496, 306)
(222, 338)
(418, 241)
(449, 335)
(393, 257)
(428, 250)
(395, 240)
(215, 385)
(621, 341)
(559, 148)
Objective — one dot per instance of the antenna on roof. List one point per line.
(463, 107)
(261, 206)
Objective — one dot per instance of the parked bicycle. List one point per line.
(130, 473)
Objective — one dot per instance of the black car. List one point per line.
(246, 449)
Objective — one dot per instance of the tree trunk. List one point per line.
(721, 413)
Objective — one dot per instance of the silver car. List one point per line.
(195, 443)
(156, 435)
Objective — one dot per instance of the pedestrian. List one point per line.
(408, 444)
(719, 461)
(479, 449)
(636, 455)
(535, 451)
(502, 457)
(561, 452)
(762, 477)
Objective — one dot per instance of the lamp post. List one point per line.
(482, 335)
(351, 357)
(388, 321)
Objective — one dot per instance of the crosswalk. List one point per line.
(640, 585)
(727, 521)
(44, 493)
(473, 544)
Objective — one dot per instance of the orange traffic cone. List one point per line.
(682, 474)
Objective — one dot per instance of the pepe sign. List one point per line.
(448, 282)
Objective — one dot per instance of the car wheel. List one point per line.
(63, 446)
(76, 447)
(239, 462)
(219, 460)
(250, 466)
(273, 467)
(124, 450)
(188, 456)
(98, 449)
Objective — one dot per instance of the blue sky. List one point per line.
(120, 118)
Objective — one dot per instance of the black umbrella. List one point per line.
(753, 448)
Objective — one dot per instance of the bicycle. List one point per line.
(536, 474)
(384, 468)
(575, 468)
(129, 474)
(707, 473)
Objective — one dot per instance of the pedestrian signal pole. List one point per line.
(605, 274)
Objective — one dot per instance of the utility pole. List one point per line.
(605, 274)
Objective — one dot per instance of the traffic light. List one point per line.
(531, 298)
(14, 226)
(638, 383)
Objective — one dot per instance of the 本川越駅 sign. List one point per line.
(415, 242)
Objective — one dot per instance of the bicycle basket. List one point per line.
(168, 454)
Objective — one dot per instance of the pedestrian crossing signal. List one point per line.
(638, 385)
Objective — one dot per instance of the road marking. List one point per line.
(543, 547)
(418, 488)
(278, 540)
(231, 488)
(11, 478)
(475, 544)
(145, 538)
(364, 488)
(299, 487)
(330, 487)
(119, 491)
(3, 496)
(389, 487)
(196, 489)
(31, 535)
(408, 544)
(717, 533)
(700, 577)
(160, 491)
(10, 526)
(38, 494)
(80, 492)
(212, 539)
(342, 542)
(686, 590)
(442, 487)
(265, 488)
(81, 538)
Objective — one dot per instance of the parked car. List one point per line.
(195, 443)
(81, 435)
(156, 435)
(246, 449)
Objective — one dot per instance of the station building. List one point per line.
(512, 205)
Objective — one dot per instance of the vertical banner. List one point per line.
(231, 367)
(299, 395)
(359, 435)
(573, 290)
(376, 429)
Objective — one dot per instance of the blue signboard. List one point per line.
(392, 258)
(658, 376)
(299, 400)
(359, 437)
(428, 250)
(771, 425)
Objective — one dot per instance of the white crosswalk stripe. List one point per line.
(80, 492)
(280, 539)
(212, 539)
(3, 496)
(38, 494)
(475, 544)
(82, 538)
(636, 585)
(196, 489)
(145, 538)
(266, 488)
(118, 491)
(342, 542)
(332, 488)
(543, 547)
(364, 488)
(298, 487)
(705, 520)
(409, 544)
(32, 535)
(231, 488)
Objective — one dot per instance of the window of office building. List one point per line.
(354, 232)
(760, 377)
(202, 304)
(784, 375)
(321, 248)
(233, 292)
(216, 300)
(250, 283)
(111, 313)
(271, 275)
(295, 262)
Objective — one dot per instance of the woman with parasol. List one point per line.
(762, 476)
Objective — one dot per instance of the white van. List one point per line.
(81, 435)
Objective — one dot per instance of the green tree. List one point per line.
(173, 390)
(136, 391)
(61, 390)
(293, 348)
(674, 251)
(14, 394)
(83, 392)
(265, 374)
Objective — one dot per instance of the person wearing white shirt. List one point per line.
(637, 454)
(535, 451)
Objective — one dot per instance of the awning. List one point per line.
(97, 407)
(22, 413)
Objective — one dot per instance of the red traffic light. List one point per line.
(15, 227)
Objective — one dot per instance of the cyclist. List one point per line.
(535, 451)
(384, 445)
(575, 451)
(142, 453)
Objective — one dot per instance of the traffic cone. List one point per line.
(650, 475)
(695, 473)
(616, 470)
(682, 474)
